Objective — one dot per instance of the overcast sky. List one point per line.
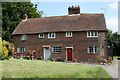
(110, 10)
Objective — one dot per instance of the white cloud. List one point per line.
(112, 24)
(114, 5)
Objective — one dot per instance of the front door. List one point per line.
(69, 54)
(46, 53)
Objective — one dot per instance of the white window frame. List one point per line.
(40, 35)
(21, 50)
(95, 49)
(23, 37)
(50, 35)
(89, 33)
(69, 34)
(56, 49)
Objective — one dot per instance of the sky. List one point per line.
(109, 9)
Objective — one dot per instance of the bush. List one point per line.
(5, 49)
(59, 59)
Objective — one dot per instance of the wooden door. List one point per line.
(69, 54)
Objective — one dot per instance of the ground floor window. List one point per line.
(92, 49)
(21, 50)
(56, 49)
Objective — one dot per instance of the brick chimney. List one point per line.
(25, 17)
(73, 10)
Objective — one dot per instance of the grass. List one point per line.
(47, 69)
(115, 57)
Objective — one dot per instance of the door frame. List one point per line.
(44, 51)
(72, 52)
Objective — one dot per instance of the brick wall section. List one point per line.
(79, 42)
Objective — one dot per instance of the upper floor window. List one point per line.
(51, 35)
(92, 49)
(69, 34)
(21, 50)
(56, 49)
(92, 34)
(23, 37)
(41, 35)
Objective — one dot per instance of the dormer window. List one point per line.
(41, 35)
(69, 34)
(23, 37)
(51, 35)
(92, 34)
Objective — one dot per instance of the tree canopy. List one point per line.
(12, 14)
(113, 40)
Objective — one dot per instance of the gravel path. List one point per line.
(113, 68)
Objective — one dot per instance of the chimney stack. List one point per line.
(25, 17)
(73, 10)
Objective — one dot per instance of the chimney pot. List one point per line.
(25, 17)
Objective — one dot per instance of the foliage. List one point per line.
(12, 14)
(105, 60)
(6, 49)
(113, 40)
(46, 69)
(7, 35)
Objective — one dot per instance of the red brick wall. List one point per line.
(79, 42)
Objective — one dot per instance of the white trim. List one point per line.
(72, 52)
(69, 47)
(52, 34)
(90, 32)
(69, 34)
(94, 48)
(21, 50)
(23, 37)
(41, 36)
(56, 52)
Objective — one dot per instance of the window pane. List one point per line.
(96, 34)
(91, 49)
(96, 49)
(57, 49)
(92, 33)
(88, 33)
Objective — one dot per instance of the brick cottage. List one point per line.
(76, 35)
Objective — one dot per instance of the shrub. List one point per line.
(5, 49)
(59, 59)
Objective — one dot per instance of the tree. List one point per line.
(113, 40)
(12, 14)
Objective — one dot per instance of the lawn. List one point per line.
(48, 69)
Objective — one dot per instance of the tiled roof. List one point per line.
(82, 22)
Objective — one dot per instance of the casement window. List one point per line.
(56, 49)
(92, 34)
(23, 37)
(21, 50)
(51, 35)
(69, 34)
(41, 35)
(92, 49)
